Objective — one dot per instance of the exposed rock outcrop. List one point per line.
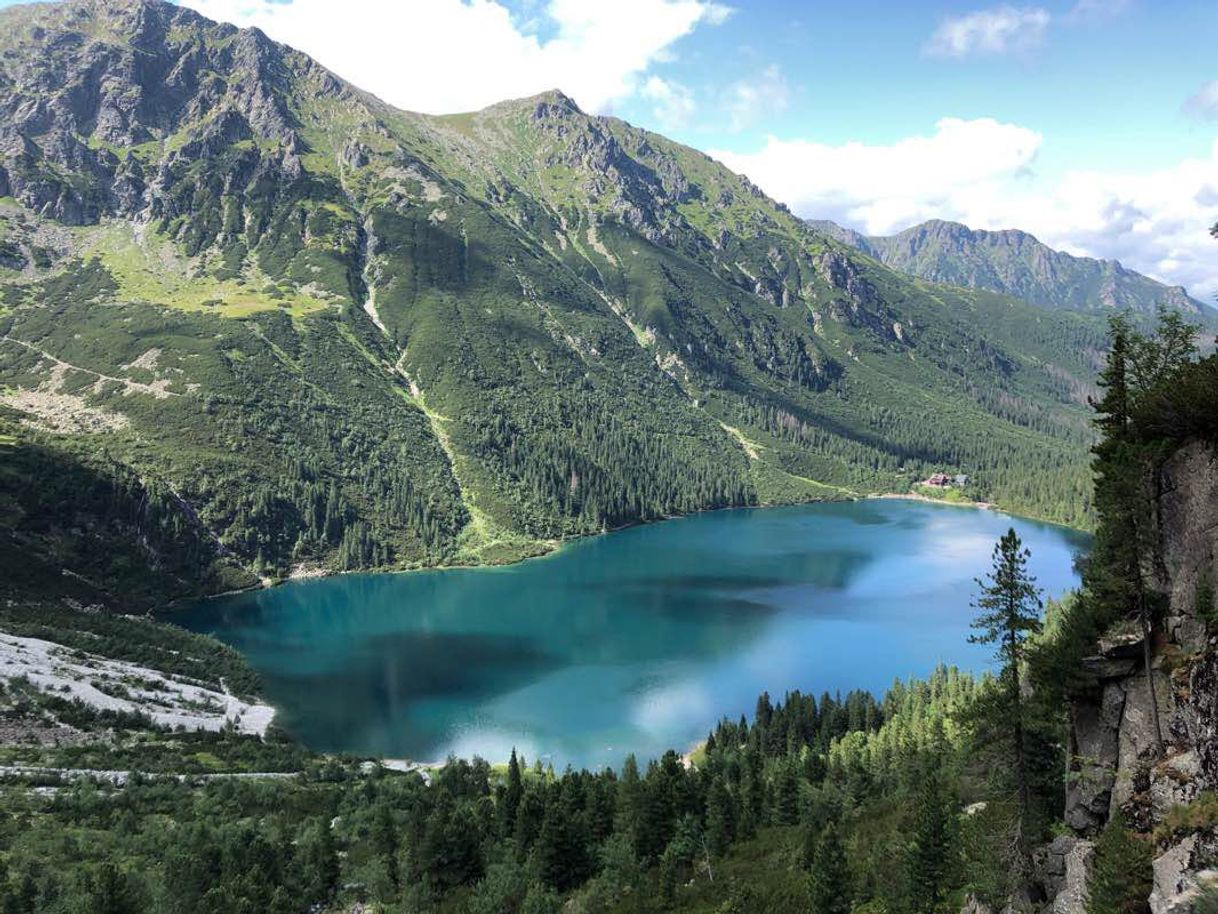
(1064, 866)
(1114, 763)
(1182, 872)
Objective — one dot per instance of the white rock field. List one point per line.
(167, 700)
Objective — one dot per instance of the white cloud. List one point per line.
(440, 56)
(1204, 102)
(981, 172)
(673, 104)
(995, 31)
(882, 187)
(749, 100)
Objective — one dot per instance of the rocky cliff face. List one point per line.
(94, 93)
(1114, 764)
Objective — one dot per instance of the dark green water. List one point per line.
(632, 642)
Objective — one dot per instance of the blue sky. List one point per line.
(1091, 123)
(1108, 88)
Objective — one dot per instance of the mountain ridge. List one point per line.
(1016, 263)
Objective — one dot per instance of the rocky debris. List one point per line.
(169, 701)
(63, 413)
(26, 730)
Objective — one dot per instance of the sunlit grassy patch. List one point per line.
(148, 268)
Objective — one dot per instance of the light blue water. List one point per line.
(632, 642)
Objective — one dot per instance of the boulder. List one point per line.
(1188, 524)
(974, 905)
(1175, 781)
(1179, 876)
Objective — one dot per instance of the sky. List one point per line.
(1092, 124)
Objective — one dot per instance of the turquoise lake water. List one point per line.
(632, 642)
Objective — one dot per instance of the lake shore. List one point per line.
(916, 496)
(308, 571)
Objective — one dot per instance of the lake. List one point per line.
(637, 641)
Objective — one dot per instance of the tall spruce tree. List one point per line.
(512, 794)
(384, 840)
(929, 855)
(720, 817)
(1008, 612)
(829, 886)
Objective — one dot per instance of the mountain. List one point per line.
(255, 322)
(1014, 263)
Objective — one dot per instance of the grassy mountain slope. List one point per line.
(341, 335)
(1014, 263)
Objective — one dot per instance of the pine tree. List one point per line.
(106, 890)
(929, 856)
(529, 816)
(719, 818)
(1009, 608)
(513, 794)
(1121, 881)
(317, 860)
(630, 801)
(562, 854)
(786, 794)
(829, 886)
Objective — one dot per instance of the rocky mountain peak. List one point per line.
(553, 103)
(116, 92)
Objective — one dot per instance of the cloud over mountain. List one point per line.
(441, 56)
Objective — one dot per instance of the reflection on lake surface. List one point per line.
(632, 642)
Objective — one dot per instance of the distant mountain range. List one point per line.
(254, 321)
(1015, 263)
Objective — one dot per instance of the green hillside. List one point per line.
(321, 333)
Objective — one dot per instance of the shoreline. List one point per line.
(308, 571)
(917, 496)
(312, 571)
